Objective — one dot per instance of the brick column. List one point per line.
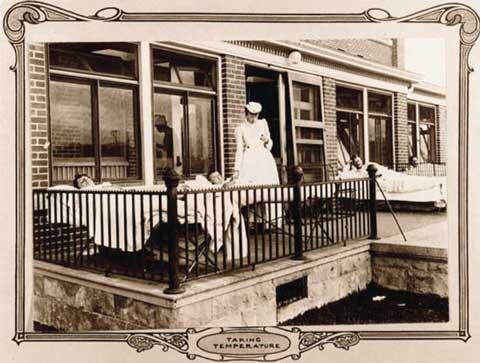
(234, 99)
(329, 103)
(400, 128)
(441, 134)
(38, 115)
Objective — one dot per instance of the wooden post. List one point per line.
(171, 180)
(297, 177)
(372, 174)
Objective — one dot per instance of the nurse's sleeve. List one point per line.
(269, 143)
(239, 151)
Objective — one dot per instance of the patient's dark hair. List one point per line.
(75, 179)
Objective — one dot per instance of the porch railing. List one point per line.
(423, 169)
(179, 234)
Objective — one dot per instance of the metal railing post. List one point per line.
(171, 181)
(372, 174)
(297, 177)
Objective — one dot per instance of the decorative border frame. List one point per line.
(188, 341)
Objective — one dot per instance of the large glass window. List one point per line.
(380, 137)
(94, 124)
(182, 69)
(117, 125)
(118, 59)
(184, 131)
(349, 124)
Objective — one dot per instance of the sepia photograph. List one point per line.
(240, 183)
(253, 182)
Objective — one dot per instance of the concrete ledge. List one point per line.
(409, 251)
(413, 268)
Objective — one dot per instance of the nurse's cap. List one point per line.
(253, 107)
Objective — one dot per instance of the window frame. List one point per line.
(184, 91)
(418, 122)
(96, 74)
(95, 81)
(365, 112)
(317, 82)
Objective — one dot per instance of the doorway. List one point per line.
(262, 86)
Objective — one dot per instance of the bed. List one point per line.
(403, 190)
(115, 220)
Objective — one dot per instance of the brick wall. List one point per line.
(234, 99)
(441, 134)
(363, 48)
(398, 53)
(401, 129)
(329, 102)
(38, 115)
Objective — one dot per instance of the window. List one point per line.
(422, 142)
(94, 124)
(118, 59)
(308, 130)
(349, 124)
(427, 134)
(380, 137)
(184, 119)
(182, 69)
(412, 130)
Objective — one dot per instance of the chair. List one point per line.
(193, 247)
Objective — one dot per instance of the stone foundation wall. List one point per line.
(70, 305)
(416, 269)
(71, 300)
(328, 283)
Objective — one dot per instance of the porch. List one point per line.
(173, 235)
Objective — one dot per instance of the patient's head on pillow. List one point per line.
(413, 161)
(356, 162)
(81, 181)
(215, 177)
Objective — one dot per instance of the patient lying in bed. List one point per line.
(130, 228)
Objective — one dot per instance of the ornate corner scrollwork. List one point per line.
(343, 340)
(448, 14)
(35, 12)
(176, 341)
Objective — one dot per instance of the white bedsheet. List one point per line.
(129, 228)
(403, 187)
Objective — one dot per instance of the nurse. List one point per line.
(254, 163)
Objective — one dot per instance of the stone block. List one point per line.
(38, 285)
(198, 314)
(143, 314)
(63, 291)
(95, 301)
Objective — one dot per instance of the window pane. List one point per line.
(183, 69)
(118, 142)
(380, 140)
(308, 133)
(349, 134)
(306, 102)
(349, 98)
(427, 140)
(71, 130)
(106, 58)
(412, 112)
(310, 158)
(200, 135)
(427, 114)
(379, 103)
(412, 140)
(168, 128)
